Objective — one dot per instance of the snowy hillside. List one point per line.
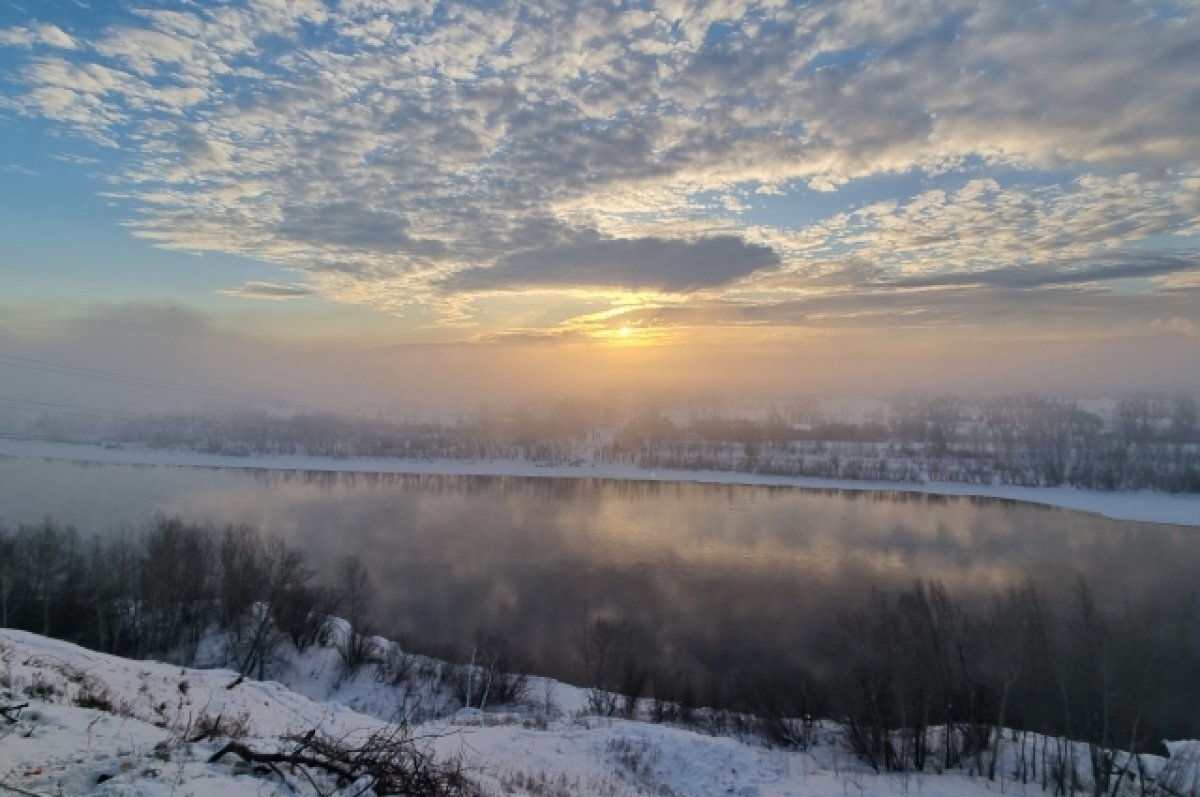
(79, 722)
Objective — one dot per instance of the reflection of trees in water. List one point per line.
(446, 564)
(718, 576)
(567, 488)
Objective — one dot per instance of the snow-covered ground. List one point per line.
(136, 738)
(1121, 505)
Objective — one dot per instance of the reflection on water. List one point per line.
(721, 576)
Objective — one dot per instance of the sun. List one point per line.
(625, 336)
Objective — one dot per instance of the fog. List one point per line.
(214, 364)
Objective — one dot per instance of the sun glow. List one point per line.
(627, 336)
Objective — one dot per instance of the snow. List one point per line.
(1152, 507)
(141, 747)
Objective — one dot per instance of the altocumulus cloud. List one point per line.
(38, 34)
(398, 154)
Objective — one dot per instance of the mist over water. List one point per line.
(717, 578)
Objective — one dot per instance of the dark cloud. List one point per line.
(1122, 266)
(645, 263)
(952, 306)
(578, 154)
(356, 226)
(268, 290)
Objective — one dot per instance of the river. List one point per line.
(715, 577)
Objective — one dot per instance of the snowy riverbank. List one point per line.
(1142, 506)
(80, 722)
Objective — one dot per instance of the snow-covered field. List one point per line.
(1122, 505)
(137, 737)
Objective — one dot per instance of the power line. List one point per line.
(97, 413)
(133, 380)
(129, 379)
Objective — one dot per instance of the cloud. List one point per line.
(645, 263)
(1130, 265)
(78, 160)
(38, 34)
(1180, 326)
(996, 311)
(401, 154)
(1020, 234)
(355, 226)
(268, 290)
(533, 337)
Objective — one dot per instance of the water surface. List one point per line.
(718, 578)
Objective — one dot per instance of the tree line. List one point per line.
(1145, 441)
(921, 681)
(158, 592)
(1142, 442)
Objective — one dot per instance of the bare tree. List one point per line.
(610, 652)
(177, 586)
(44, 558)
(388, 761)
(282, 587)
(357, 596)
(1008, 634)
(10, 568)
(491, 676)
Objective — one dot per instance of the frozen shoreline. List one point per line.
(1150, 507)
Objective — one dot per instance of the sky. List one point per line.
(444, 197)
